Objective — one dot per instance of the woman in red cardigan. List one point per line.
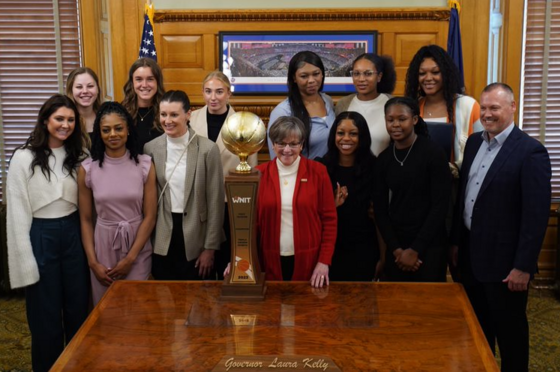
(296, 214)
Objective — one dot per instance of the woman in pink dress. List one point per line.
(122, 185)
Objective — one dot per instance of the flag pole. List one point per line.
(147, 45)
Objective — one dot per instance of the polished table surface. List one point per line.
(184, 326)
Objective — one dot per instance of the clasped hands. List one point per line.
(407, 259)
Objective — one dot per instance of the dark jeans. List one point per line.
(57, 304)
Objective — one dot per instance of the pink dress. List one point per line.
(118, 193)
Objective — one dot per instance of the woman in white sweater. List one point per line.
(45, 252)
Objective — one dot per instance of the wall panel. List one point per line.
(187, 41)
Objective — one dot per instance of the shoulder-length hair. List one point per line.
(96, 104)
(294, 96)
(364, 158)
(130, 101)
(97, 144)
(449, 76)
(70, 84)
(38, 141)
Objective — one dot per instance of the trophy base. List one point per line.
(243, 292)
(251, 172)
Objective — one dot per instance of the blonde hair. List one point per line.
(218, 75)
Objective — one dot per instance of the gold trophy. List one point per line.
(243, 134)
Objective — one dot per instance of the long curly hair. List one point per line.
(450, 76)
(130, 101)
(97, 144)
(294, 96)
(385, 66)
(364, 159)
(421, 128)
(38, 141)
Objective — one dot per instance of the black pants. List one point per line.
(502, 314)
(222, 257)
(175, 266)
(57, 304)
(288, 263)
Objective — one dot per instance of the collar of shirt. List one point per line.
(499, 138)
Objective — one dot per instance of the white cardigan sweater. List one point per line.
(26, 194)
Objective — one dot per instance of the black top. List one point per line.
(215, 123)
(411, 200)
(355, 228)
(145, 127)
(357, 250)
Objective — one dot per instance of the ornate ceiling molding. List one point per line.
(299, 15)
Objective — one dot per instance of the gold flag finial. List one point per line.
(149, 10)
(454, 4)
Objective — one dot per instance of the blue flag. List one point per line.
(454, 47)
(148, 46)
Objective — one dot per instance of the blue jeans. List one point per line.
(57, 305)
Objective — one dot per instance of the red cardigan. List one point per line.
(315, 221)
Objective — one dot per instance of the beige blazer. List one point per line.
(204, 197)
(229, 160)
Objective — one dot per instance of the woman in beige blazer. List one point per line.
(207, 122)
(191, 195)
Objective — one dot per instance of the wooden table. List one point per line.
(183, 326)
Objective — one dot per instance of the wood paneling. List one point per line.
(182, 51)
(187, 40)
(512, 34)
(89, 11)
(475, 20)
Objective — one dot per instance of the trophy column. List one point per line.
(245, 281)
(243, 134)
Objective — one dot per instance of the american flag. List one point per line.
(148, 46)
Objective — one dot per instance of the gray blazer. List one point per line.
(204, 197)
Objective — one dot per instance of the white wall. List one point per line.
(259, 4)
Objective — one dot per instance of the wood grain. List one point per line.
(183, 326)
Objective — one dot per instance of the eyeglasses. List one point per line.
(293, 146)
(368, 74)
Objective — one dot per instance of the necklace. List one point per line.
(285, 182)
(147, 113)
(408, 152)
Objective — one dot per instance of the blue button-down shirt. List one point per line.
(484, 158)
(320, 128)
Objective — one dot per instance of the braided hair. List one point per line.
(97, 144)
